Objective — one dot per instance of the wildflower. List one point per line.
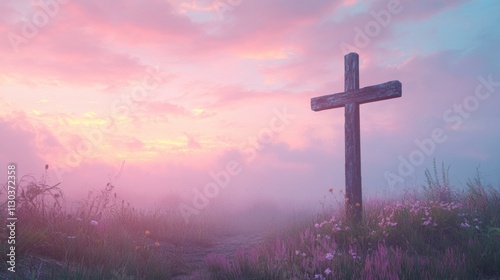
(147, 233)
(316, 225)
(71, 237)
(328, 271)
(93, 222)
(477, 227)
(354, 255)
(157, 244)
(297, 252)
(357, 204)
(465, 225)
(303, 254)
(394, 224)
(329, 256)
(319, 276)
(336, 228)
(347, 228)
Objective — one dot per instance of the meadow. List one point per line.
(436, 231)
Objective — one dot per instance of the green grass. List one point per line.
(437, 232)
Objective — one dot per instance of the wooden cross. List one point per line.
(350, 99)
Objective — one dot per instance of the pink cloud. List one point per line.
(192, 142)
(25, 143)
(165, 108)
(78, 43)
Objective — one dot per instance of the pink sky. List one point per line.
(189, 84)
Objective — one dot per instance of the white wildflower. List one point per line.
(329, 256)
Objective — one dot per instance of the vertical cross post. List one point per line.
(350, 99)
(352, 141)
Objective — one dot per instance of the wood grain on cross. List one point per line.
(350, 100)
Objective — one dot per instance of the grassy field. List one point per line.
(436, 232)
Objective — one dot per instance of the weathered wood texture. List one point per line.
(379, 92)
(351, 99)
(352, 140)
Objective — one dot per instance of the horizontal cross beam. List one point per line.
(378, 92)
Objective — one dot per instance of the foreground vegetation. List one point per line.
(104, 237)
(435, 233)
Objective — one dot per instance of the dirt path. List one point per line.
(225, 244)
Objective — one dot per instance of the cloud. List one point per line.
(23, 143)
(418, 10)
(81, 43)
(192, 142)
(164, 108)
